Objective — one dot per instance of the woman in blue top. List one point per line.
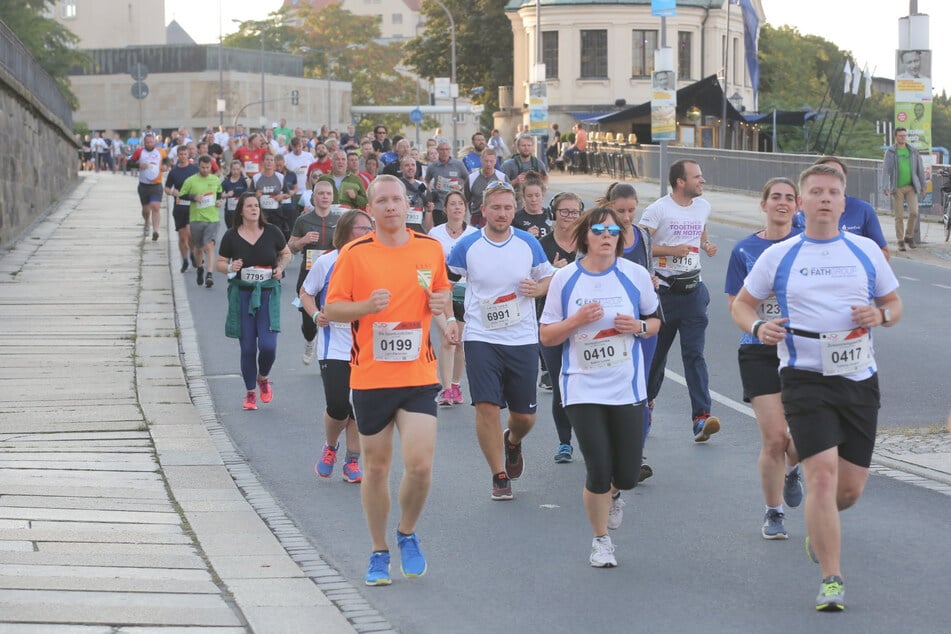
(232, 186)
(598, 308)
(759, 364)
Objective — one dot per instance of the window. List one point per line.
(594, 54)
(684, 55)
(69, 8)
(642, 59)
(550, 53)
(397, 18)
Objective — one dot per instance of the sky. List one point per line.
(850, 24)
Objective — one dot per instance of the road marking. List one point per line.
(942, 286)
(910, 279)
(719, 398)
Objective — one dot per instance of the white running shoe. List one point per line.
(309, 349)
(602, 552)
(616, 513)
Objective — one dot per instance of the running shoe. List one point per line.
(831, 595)
(191, 256)
(773, 525)
(645, 473)
(456, 394)
(328, 458)
(602, 552)
(544, 381)
(266, 392)
(309, 348)
(351, 472)
(792, 488)
(810, 552)
(154, 236)
(209, 282)
(501, 487)
(200, 272)
(616, 513)
(705, 426)
(514, 462)
(563, 456)
(445, 398)
(184, 264)
(250, 400)
(412, 562)
(378, 572)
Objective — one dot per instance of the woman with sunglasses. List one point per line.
(559, 246)
(599, 308)
(622, 198)
(254, 254)
(452, 358)
(334, 344)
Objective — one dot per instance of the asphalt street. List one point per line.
(690, 552)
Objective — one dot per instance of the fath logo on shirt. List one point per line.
(828, 271)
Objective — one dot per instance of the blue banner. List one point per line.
(664, 8)
(750, 27)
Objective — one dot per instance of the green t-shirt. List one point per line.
(287, 132)
(904, 167)
(208, 191)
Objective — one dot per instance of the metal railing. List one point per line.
(189, 59)
(17, 61)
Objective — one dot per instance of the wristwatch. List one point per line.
(886, 316)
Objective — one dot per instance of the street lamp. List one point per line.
(452, 79)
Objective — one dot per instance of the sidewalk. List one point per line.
(117, 511)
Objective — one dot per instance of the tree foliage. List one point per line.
(484, 56)
(50, 43)
(336, 43)
(798, 71)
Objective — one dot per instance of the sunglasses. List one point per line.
(498, 185)
(599, 229)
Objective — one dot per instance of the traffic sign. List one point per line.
(478, 108)
(139, 71)
(416, 115)
(140, 90)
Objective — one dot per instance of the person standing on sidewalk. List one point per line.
(598, 308)
(255, 256)
(388, 285)
(313, 233)
(833, 289)
(678, 225)
(759, 364)
(336, 342)
(505, 269)
(904, 177)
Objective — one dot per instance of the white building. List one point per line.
(599, 52)
(398, 18)
(112, 24)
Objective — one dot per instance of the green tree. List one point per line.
(336, 43)
(51, 44)
(484, 44)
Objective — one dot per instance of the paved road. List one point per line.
(690, 552)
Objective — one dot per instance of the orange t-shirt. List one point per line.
(365, 265)
(251, 160)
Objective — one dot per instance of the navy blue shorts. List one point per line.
(375, 409)
(503, 375)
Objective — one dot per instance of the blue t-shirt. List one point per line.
(744, 255)
(859, 218)
(176, 178)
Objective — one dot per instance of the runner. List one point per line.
(204, 190)
(174, 180)
(390, 284)
(271, 191)
(452, 358)
(560, 249)
(759, 364)
(832, 288)
(313, 234)
(251, 156)
(598, 309)
(232, 186)
(257, 255)
(335, 344)
(505, 271)
(150, 161)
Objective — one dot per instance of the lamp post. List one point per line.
(452, 79)
(263, 118)
(221, 83)
(726, 75)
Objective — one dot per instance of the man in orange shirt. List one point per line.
(251, 156)
(389, 284)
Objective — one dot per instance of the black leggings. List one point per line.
(611, 438)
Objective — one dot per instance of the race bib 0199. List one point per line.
(397, 340)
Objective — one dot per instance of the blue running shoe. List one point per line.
(564, 454)
(792, 488)
(412, 562)
(773, 525)
(705, 426)
(328, 458)
(378, 572)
